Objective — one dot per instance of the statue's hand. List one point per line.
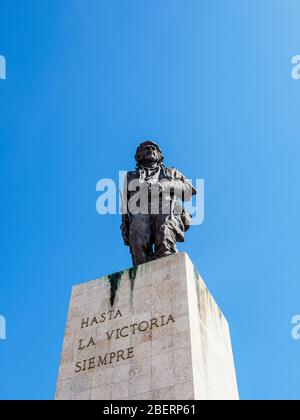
(126, 241)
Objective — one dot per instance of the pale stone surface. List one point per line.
(164, 338)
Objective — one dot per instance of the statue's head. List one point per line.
(148, 153)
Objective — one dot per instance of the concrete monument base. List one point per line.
(151, 332)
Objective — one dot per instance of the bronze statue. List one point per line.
(153, 218)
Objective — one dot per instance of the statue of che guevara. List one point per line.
(153, 218)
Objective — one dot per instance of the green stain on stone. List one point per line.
(196, 274)
(132, 275)
(114, 280)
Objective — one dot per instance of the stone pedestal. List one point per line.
(152, 332)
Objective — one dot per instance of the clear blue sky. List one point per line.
(211, 82)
